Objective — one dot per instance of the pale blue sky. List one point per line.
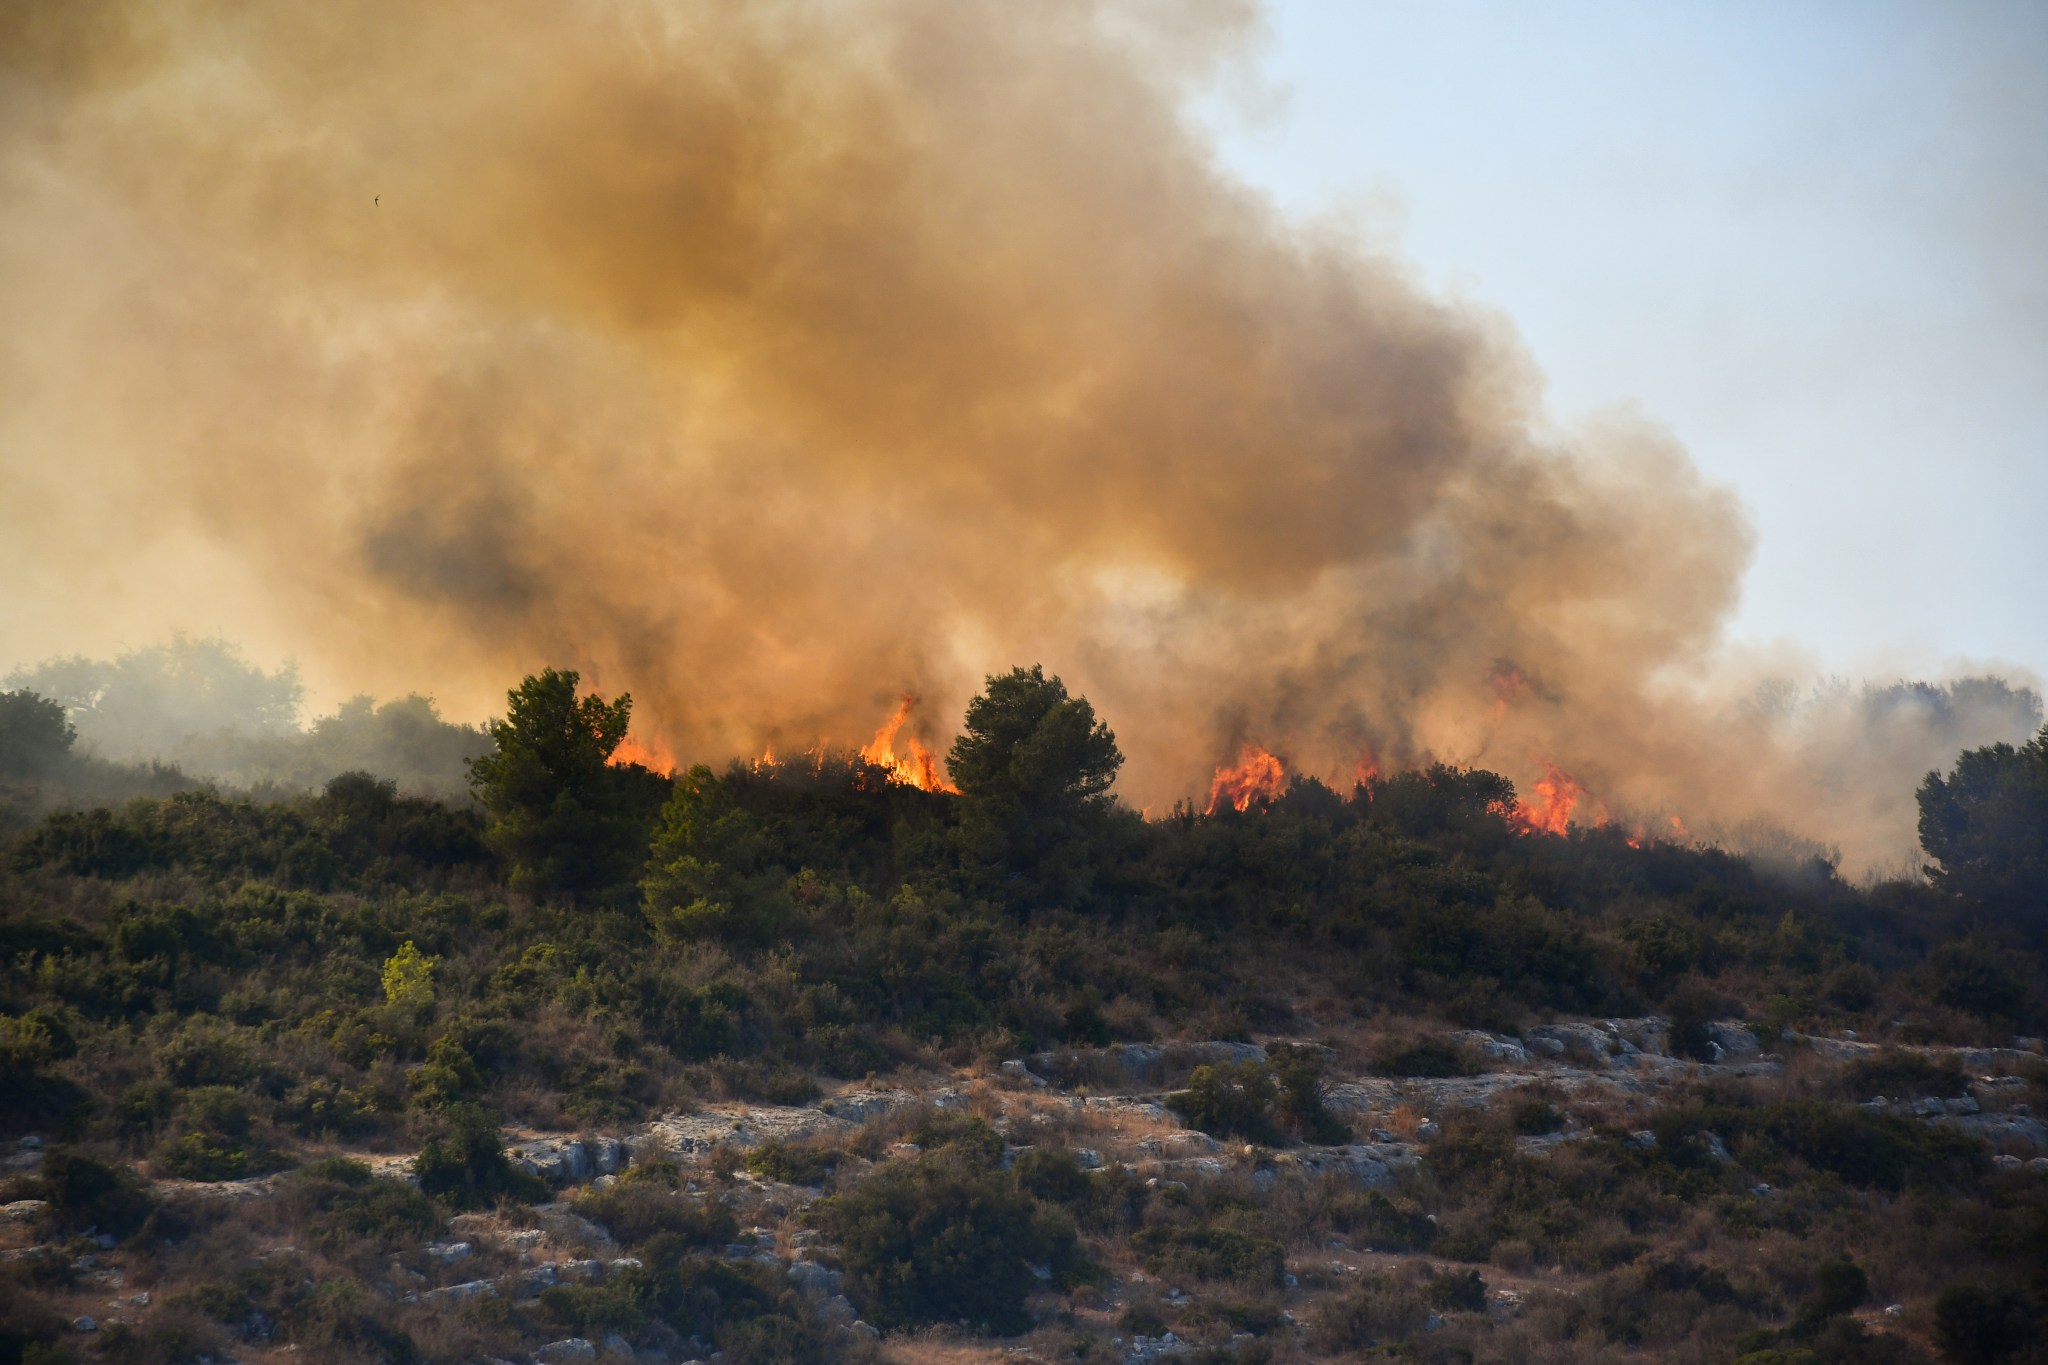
(1811, 238)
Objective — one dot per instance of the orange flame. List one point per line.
(652, 754)
(1557, 795)
(1256, 776)
(1368, 769)
(915, 768)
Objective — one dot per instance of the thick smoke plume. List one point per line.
(773, 360)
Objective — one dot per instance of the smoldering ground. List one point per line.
(773, 360)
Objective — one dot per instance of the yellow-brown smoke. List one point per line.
(774, 360)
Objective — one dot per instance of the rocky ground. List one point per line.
(1105, 1106)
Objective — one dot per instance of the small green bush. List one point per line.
(1982, 1324)
(341, 1203)
(1453, 1291)
(1211, 1253)
(940, 1239)
(1376, 1313)
(465, 1166)
(1427, 1058)
(641, 1207)
(793, 1163)
(87, 1194)
(1896, 1073)
(1231, 1099)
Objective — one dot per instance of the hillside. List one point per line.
(803, 1062)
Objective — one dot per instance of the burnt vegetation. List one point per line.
(207, 987)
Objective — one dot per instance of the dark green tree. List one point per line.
(557, 811)
(1986, 827)
(1034, 768)
(35, 736)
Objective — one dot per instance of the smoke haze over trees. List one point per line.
(199, 712)
(773, 361)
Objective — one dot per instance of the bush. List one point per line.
(342, 1204)
(464, 1165)
(645, 1204)
(938, 1240)
(215, 1141)
(1693, 1009)
(1839, 1286)
(1983, 1324)
(1898, 1074)
(1534, 1117)
(1299, 1108)
(85, 1194)
(1378, 1223)
(1054, 1176)
(1453, 1292)
(1378, 1311)
(793, 1163)
(1231, 1099)
(1209, 1253)
(1424, 1058)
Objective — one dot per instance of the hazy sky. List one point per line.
(1812, 238)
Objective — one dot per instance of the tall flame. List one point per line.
(1256, 776)
(1558, 793)
(651, 754)
(916, 767)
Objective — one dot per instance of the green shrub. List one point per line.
(1534, 1117)
(1054, 1176)
(342, 1204)
(1299, 1107)
(1211, 1253)
(1983, 1324)
(1455, 1292)
(641, 1207)
(465, 1166)
(964, 1136)
(793, 1163)
(1839, 1286)
(940, 1239)
(1424, 1058)
(1231, 1099)
(1377, 1223)
(1377, 1312)
(1898, 1074)
(87, 1194)
(215, 1140)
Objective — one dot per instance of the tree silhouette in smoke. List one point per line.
(1034, 768)
(1986, 827)
(559, 813)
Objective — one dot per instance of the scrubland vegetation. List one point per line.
(1274, 1083)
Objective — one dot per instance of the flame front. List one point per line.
(1557, 795)
(917, 767)
(1256, 776)
(652, 754)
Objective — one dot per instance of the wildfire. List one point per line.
(1368, 769)
(653, 755)
(1557, 795)
(917, 767)
(1256, 776)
